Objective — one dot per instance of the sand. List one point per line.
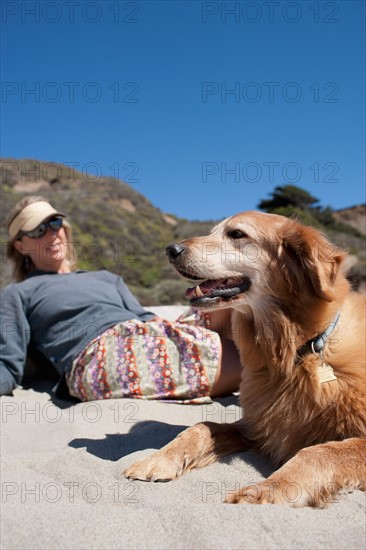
(62, 486)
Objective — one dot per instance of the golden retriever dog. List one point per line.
(300, 332)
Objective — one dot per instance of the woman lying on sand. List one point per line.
(94, 332)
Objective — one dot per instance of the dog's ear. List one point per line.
(312, 258)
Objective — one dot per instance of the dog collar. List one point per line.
(317, 344)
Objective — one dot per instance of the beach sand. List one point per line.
(62, 485)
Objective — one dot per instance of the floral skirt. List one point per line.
(174, 361)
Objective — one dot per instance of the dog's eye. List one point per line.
(236, 234)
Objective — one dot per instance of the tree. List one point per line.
(288, 195)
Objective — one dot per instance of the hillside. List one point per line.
(354, 216)
(117, 228)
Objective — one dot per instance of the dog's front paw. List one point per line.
(155, 467)
(266, 493)
(251, 494)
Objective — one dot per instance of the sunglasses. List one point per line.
(54, 223)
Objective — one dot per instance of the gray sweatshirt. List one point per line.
(58, 314)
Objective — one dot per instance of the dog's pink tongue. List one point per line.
(202, 289)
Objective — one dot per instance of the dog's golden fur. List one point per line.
(295, 285)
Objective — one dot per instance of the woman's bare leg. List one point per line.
(229, 369)
(220, 321)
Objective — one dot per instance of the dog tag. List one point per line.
(326, 373)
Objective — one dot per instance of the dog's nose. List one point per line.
(173, 251)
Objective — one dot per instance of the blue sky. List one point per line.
(204, 107)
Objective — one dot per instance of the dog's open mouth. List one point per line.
(212, 291)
